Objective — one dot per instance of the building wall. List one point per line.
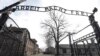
(17, 42)
(9, 44)
(31, 47)
(89, 50)
(14, 41)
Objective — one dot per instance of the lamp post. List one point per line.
(95, 25)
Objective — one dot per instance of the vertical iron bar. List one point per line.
(70, 42)
(75, 49)
(84, 48)
(88, 48)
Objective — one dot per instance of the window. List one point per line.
(64, 50)
(93, 49)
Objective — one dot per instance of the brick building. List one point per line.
(31, 47)
(14, 42)
(81, 50)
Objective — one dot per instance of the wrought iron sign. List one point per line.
(49, 8)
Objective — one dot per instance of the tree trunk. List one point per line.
(57, 48)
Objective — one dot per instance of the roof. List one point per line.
(79, 45)
(18, 32)
(64, 46)
(34, 41)
(16, 29)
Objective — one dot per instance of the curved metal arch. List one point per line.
(50, 8)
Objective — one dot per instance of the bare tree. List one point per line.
(56, 26)
(48, 39)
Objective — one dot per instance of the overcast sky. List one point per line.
(32, 19)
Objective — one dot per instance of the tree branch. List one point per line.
(63, 38)
(52, 30)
